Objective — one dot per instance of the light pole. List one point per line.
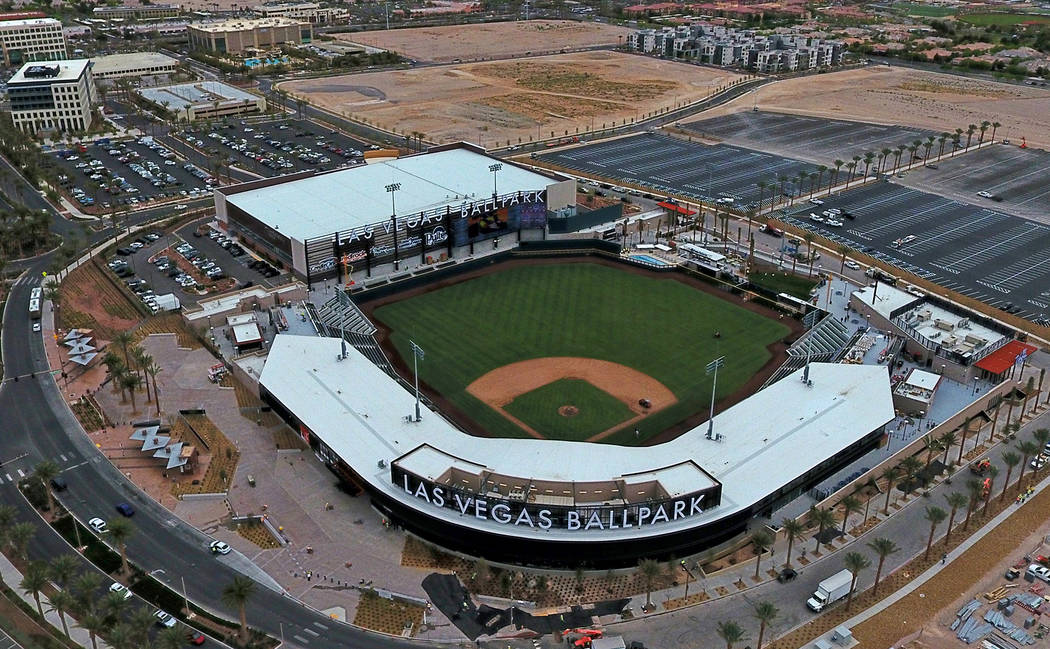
(495, 168)
(391, 189)
(712, 368)
(417, 355)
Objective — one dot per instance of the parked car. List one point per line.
(165, 619)
(219, 547)
(124, 591)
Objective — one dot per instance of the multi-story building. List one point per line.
(727, 46)
(308, 11)
(135, 64)
(236, 36)
(33, 39)
(58, 95)
(136, 12)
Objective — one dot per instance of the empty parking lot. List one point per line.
(1015, 175)
(1000, 259)
(814, 139)
(675, 166)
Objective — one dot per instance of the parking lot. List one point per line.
(127, 173)
(186, 263)
(273, 148)
(993, 257)
(1015, 177)
(815, 139)
(675, 166)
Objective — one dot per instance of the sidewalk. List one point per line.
(12, 577)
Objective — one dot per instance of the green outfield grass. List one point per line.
(782, 282)
(598, 410)
(929, 11)
(655, 325)
(984, 20)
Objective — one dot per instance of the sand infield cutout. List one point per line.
(502, 385)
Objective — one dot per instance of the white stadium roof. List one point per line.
(356, 197)
(770, 438)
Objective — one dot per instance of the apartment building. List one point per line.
(137, 12)
(32, 39)
(731, 47)
(58, 95)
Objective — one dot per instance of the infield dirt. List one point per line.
(516, 100)
(488, 40)
(893, 95)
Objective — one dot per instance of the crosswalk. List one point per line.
(14, 470)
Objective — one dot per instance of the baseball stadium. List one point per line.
(563, 407)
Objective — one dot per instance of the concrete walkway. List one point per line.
(12, 577)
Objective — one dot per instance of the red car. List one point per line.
(196, 638)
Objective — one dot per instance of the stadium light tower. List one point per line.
(391, 189)
(712, 368)
(417, 355)
(495, 168)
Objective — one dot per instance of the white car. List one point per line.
(1039, 570)
(984, 194)
(852, 264)
(36, 327)
(835, 223)
(816, 201)
(124, 591)
(98, 525)
(1039, 462)
(219, 547)
(165, 619)
(180, 207)
(816, 218)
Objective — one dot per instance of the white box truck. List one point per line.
(830, 590)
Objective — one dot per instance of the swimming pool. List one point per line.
(650, 260)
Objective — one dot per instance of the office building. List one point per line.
(32, 39)
(52, 96)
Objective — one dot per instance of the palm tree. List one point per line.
(45, 472)
(934, 515)
(926, 146)
(962, 442)
(1028, 449)
(854, 562)
(761, 190)
(955, 501)
(33, 581)
(955, 143)
(941, 139)
(838, 168)
(650, 570)
(851, 166)
(883, 548)
(140, 623)
(850, 505)
(132, 382)
(84, 589)
(730, 632)
(901, 148)
(973, 487)
(783, 179)
(824, 519)
(765, 613)
(820, 175)
(19, 537)
(892, 475)
(933, 447)
(808, 237)
(947, 441)
(869, 157)
(1010, 459)
(153, 369)
(910, 465)
(123, 338)
(995, 126)
(61, 603)
(120, 530)
(993, 473)
(886, 153)
(111, 608)
(142, 359)
(1042, 436)
(171, 638)
(237, 593)
(62, 568)
(794, 530)
(969, 134)
(94, 624)
(122, 636)
(843, 250)
(761, 541)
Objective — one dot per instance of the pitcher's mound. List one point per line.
(568, 411)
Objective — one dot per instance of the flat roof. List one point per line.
(356, 197)
(7, 25)
(68, 70)
(923, 380)
(247, 333)
(131, 61)
(950, 331)
(887, 298)
(769, 439)
(201, 93)
(241, 24)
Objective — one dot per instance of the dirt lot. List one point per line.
(515, 99)
(911, 97)
(485, 41)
